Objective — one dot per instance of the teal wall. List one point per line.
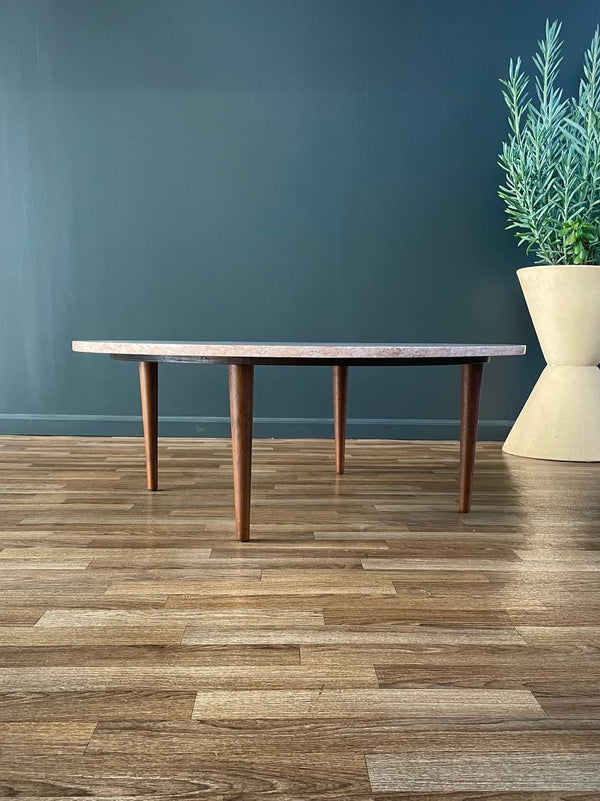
(259, 170)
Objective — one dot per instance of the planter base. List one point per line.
(561, 419)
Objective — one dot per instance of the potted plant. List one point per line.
(551, 163)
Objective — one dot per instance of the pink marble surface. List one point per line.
(297, 350)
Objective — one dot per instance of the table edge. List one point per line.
(281, 353)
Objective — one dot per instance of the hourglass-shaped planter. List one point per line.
(561, 419)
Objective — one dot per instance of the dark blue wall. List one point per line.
(260, 170)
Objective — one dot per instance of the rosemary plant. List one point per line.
(552, 157)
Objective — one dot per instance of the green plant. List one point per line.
(552, 157)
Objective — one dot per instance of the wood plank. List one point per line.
(95, 705)
(167, 678)
(243, 589)
(247, 705)
(152, 655)
(337, 735)
(20, 616)
(112, 557)
(560, 635)
(477, 564)
(43, 564)
(36, 636)
(570, 702)
(494, 658)
(311, 775)
(49, 735)
(484, 772)
(173, 619)
(423, 635)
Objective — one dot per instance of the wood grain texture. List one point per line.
(337, 736)
(368, 643)
(94, 705)
(484, 772)
(345, 635)
(241, 389)
(167, 678)
(173, 618)
(367, 704)
(340, 407)
(148, 372)
(68, 737)
(470, 392)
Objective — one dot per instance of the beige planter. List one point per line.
(561, 419)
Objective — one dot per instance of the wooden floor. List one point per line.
(368, 643)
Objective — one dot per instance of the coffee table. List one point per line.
(243, 356)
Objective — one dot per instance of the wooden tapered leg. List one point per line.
(471, 375)
(340, 397)
(241, 383)
(149, 392)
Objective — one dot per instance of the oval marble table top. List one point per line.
(296, 351)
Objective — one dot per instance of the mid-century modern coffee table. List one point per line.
(241, 358)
